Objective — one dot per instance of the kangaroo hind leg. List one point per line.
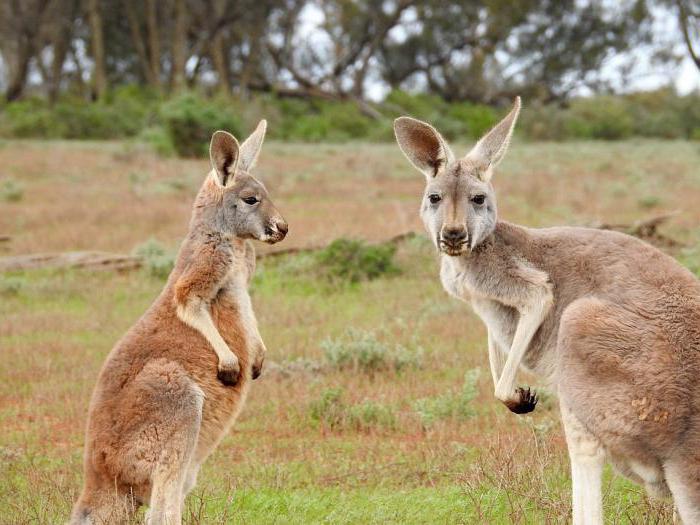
(178, 403)
(587, 457)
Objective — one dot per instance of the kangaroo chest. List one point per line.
(500, 319)
(235, 317)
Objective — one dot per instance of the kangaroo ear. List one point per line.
(423, 146)
(492, 147)
(250, 149)
(224, 153)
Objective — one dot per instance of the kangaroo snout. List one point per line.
(453, 239)
(276, 230)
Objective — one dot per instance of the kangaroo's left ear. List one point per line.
(250, 149)
(492, 147)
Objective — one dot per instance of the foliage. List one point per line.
(11, 191)
(157, 261)
(183, 125)
(332, 412)
(359, 350)
(353, 260)
(190, 121)
(10, 285)
(450, 405)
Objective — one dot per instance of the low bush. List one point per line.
(450, 405)
(157, 261)
(190, 120)
(359, 350)
(332, 412)
(353, 260)
(183, 123)
(10, 286)
(11, 191)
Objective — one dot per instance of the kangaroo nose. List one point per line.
(282, 227)
(454, 235)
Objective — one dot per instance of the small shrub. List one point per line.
(11, 191)
(157, 261)
(10, 286)
(601, 117)
(370, 414)
(159, 139)
(362, 351)
(190, 121)
(333, 413)
(329, 410)
(354, 260)
(451, 405)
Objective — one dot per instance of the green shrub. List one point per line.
(359, 350)
(31, 118)
(190, 121)
(603, 117)
(333, 413)
(157, 261)
(450, 405)
(354, 260)
(11, 191)
(10, 286)
(159, 139)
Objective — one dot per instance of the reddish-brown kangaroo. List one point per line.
(173, 386)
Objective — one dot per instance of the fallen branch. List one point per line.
(647, 230)
(94, 260)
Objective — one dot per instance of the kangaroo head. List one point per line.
(232, 201)
(459, 204)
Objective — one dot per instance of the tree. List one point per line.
(689, 21)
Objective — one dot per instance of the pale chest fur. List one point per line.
(235, 290)
(500, 319)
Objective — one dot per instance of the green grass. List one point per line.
(470, 461)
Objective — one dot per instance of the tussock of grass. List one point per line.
(157, 261)
(332, 412)
(359, 350)
(450, 405)
(354, 260)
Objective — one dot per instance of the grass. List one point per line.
(473, 462)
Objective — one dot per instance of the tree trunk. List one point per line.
(220, 59)
(139, 45)
(60, 44)
(179, 45)
(18, 72)
(153, 41)
(99, 75)
(684, 18)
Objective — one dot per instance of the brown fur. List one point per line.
(158, 409)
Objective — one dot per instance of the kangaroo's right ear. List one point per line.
(423, 146)
(224, 153)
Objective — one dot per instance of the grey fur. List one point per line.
(610, 322)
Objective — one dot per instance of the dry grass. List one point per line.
(279, 465)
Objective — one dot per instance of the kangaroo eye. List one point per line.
(434, 198)
(478, 199)
(251, 200)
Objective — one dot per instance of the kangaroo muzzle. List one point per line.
(454, 240)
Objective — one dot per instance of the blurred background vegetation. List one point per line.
(169, 72)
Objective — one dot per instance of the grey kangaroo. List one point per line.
(610, 322)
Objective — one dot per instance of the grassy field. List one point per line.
(407, 433)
